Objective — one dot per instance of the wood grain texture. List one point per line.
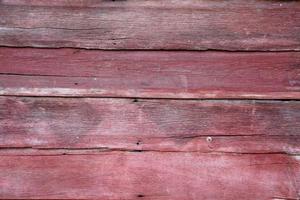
(124, 175)
(149, 74)
(150, 125)
(155, 24)
(138, 143)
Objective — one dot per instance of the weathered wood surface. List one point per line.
(151, 74)
(133, 175)
(155, 24)
(158, 125)
(56, 146)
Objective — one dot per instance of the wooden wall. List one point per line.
(156, 99)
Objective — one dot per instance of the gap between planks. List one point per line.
(155, 50)
(35, 151)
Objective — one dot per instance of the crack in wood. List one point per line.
(96, 150)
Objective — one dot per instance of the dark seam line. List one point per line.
(106, 150)
(154, 98)
(157, 49)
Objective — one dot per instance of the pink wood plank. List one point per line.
(155, 24)
(160, 125)
(124, 175)
(160, 74)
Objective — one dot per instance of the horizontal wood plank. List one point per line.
(155, 24)
(149, 74)
(123, 175)
(149, 125)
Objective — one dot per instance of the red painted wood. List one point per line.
(110, 148)
(153, 74)
(160, 125)
(122, 175)
(154, 24)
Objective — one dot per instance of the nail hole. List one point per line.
(138, 142)
(75, 83)
(135, 101)
(140, 195)
(209, 139)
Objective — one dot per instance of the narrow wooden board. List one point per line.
(150, 125)
(154, 24)
(149, 74)
(123, 175)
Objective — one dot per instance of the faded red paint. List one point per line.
(151, 175)
(67, 72)
(55, 143)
